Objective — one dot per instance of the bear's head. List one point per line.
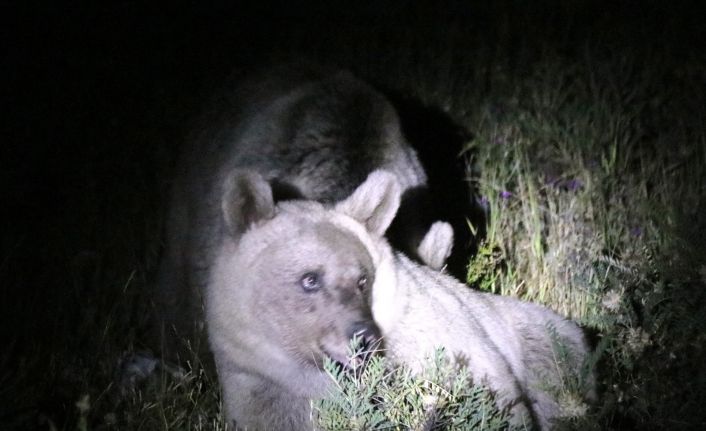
(292, 281)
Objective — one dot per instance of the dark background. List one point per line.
(96, 99)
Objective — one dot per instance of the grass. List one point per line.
(588, 158)
(588, 191)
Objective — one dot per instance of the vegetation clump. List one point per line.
(372, 395)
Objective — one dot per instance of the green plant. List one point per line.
(374, 395)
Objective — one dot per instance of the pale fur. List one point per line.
(509, 345)
(436, 245)
(267, 336)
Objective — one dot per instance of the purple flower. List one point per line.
(563, 184)
(636, 231)
(574, 184)
(505, 194)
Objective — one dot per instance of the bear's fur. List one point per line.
(291, 284)
(526, 353)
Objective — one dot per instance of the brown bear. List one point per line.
(290, 285)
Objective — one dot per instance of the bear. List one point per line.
(525, 353)
(291, 284)
(303, 278)
(313, 132)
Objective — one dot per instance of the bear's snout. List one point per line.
(366, 330)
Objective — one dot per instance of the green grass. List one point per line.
(375, 396)
(605, 177)
(589, 153)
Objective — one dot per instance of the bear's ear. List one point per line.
(436, 246)
(374, 203)
(247, 199)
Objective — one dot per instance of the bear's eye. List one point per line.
(310, 282)
(362, 282)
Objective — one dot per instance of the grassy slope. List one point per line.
(589, 153)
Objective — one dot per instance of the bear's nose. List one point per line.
(366, 330)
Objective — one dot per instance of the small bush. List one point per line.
(374, 395)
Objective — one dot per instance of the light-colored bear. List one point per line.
(291, 285)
